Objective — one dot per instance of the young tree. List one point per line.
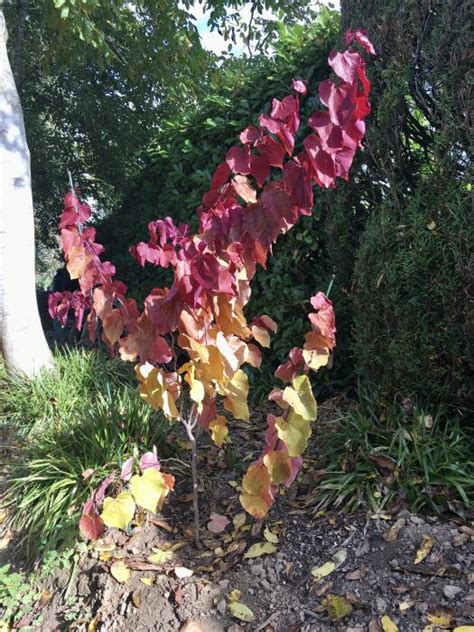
(192, 340)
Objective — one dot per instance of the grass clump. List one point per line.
(68, 447)
(55, 398)
(389, 457)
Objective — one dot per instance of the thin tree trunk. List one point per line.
(24, 347)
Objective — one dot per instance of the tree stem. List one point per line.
(190, 425)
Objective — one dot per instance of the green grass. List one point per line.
(54, 399)
(384, 457)
(95, 421)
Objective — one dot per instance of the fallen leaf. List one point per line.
(120, 572)
(105, 556)
(406, 605)
(261, 548)
(269, 536)
(239, 520)
(339, 557)
(160, 556)
(441, 618)
(353, 575)
(392, 534)
(148, 581)
(337, 607)
(425, 549)
(241, 611)
(464, 628)
(217, 523)
(137, 598)
(235, 595)
(387, 624)
(383, 462)
(318, 572)
(181, 572)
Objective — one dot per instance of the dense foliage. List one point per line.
(413, 289)
(397, 237)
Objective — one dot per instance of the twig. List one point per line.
(273, 616)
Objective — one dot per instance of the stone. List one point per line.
(381, 605)
(221, 607)
(451, 592)
(192, 626)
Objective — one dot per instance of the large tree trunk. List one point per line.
(22, 340)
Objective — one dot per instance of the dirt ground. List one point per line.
(319, 571)
(375, 578)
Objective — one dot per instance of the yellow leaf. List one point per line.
(241, 611)
(219, 430)
(118, 512)
(440, 618)
(197, 391)
(239, 520)
(387, 624)
(278, 464)
(154, 389)
(425, 549)
(259, 549)
(148, 581)
(301, 398)
(337, 607)
(120, 571)
(294, 432)
(235, 595)
(4, 627)
(255, 505)
(236, 392)
(464, 628)
(160, 556)
(105, 556)
(269, 536)
(149, 489)
(318, 572)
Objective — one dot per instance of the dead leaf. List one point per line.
(464, 628)
(86, 474)
(337, 607)
(406, 605)
(148, 581)
(425, 549)
(260, 548)
(120, 571)
(136, 598)
(239, 520)
(388, 625)
(241, 611)
(441, 618)
(392, 534)
(217, 523)
(318, 572)
(269, 536)
(160, 556)
(235, 595)
(382, 462)
(353, 575)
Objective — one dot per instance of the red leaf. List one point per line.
(238, 159)
(345, 64)
(299, 86)
(360, 36)
(91, 526)
(272, 150)
(259, 168)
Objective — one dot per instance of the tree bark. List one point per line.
(22, 342)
